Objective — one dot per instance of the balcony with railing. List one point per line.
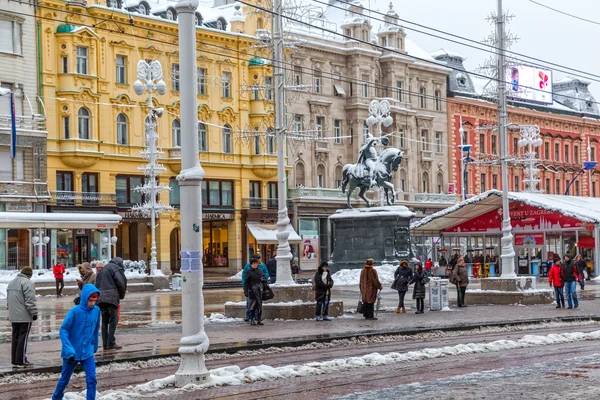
(18, 189)
(257, 203)
(83, 199)
(34, 123)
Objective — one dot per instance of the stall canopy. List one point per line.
(17, 220)
(265, 233)
(572, 208)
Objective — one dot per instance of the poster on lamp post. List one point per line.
(309, 252)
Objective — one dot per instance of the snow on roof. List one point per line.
(585, 209)
(569, 79)
(443, 52)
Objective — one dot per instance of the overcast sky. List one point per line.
(543, 33)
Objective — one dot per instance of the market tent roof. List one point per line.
(24, 220)
(265, 233)
(586, 209)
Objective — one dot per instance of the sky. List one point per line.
(543, 34)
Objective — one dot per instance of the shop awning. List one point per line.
(265, 233)
(19, 220)
(584, 209)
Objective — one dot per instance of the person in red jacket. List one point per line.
(428, 265)
(555, 279)
(59, 270)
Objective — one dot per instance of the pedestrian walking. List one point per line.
(322, 287)
(295, 269)
(253, 290)
(87, 275)
(272, 268)
(555, 279)
(22, 311)
(428, 266)
(112, 283)
(265, 272)
(581, 270)
(570, 278)
(420, 279)
(79, 338)
(460, 277)
(369, 287)
(402, 277)
(59, 270)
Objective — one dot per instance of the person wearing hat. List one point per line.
(79, 338)
(22, 311)
(322, 287)
(369, 286)
(247, 267)
(295, 268)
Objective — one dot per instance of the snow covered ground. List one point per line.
(351, 277)
(234, 375)
(237, 277)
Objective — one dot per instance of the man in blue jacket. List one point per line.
(79, 337)
(263, 268)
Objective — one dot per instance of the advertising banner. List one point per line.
(309, 252)
(529, 83)
(529, 239)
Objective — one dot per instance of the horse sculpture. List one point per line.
(358, 176)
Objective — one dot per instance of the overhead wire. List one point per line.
(564, 13)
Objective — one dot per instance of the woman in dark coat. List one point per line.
(420, 279)
(253, 290)
(581, 267)
(323, 285)
(402, 277)
(460, 276)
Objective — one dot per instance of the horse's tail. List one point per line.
(345, 177)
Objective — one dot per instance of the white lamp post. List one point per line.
(40, 242)
(150, 79)
(113, 241)
(530, 138)
(194, 342)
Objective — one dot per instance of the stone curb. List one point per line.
(302, 340)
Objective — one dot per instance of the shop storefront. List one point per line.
(544, 227)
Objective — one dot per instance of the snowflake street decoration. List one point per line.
(150, 80)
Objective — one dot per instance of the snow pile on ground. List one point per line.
(234, 375)
(219, 318)
(351, 277)
(3, 287)
(237, 277)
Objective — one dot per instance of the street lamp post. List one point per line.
(194, 342)
(530, 138)
(105, 241)
(587, 166)
(40, 242)
(379, 114)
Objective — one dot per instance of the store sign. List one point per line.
(216, 216)
(529, 239)
(19, 207)
(523, 218)
(309, 253)
(133, 215)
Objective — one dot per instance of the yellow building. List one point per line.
(89, 54)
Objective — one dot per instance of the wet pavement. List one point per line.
(150, 322)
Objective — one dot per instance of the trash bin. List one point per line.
(438, 294)
(176, 282)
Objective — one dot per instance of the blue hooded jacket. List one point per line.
(79, 330)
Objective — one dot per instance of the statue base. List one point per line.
(506, 291)
(380, 233)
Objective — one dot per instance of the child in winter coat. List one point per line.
(79, 337)
(555, 279)
(420, 279)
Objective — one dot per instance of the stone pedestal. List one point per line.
(290, 302)
(520, 290)
(381, 233)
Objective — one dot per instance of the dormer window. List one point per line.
(221, 24)
(142, 9)
(171, 14)
(383, 41)
(461, 80)
(348, 33)
(198, 19)
(112, 4)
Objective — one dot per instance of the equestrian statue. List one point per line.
(372, 170)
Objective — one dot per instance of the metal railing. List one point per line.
(257, 203)
(28, 189)
(322, 193)
(83, 199)
(32, 123)
(435, 198)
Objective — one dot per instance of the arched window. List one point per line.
(300, 175)
(202, 144)
(221, 24)
(226, 133)
(440, 182)
(171, 15)
(425, 182)
(256, 142)
(176, 133)
(402, 184)
(83, 123)
(259, 23)
(122, 136)
(270, 141)
(142, 9)
(338, 176)
(321, 176)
